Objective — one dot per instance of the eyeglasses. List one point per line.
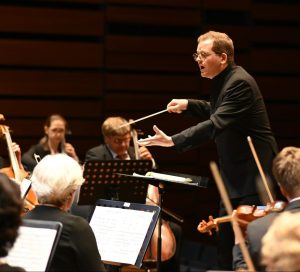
(57, 130)
(202, 55)
(119, 141)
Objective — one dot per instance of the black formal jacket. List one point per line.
(102, 152)
(77, 248)
(236, 110)
(28, 159)
(255, 232)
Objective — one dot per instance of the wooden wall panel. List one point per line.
(46, 20)
(145, 15)
(51, 54)
(50, 83)
(31, 108)
(89, 59)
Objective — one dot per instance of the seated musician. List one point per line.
(53, 142)
(11, 206)
(117, 146)
(286, 170)
(55, 179)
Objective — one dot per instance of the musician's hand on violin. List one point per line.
(16, 148)
(177, 105)
(160, 139)
(70, 150)
(145, 153)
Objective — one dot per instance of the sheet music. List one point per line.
(24, 187)
(32, 248)
(164, 177)
(120, 233)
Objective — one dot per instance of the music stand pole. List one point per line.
(160, 192)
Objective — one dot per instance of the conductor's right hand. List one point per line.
(177, 105)
(159, 139)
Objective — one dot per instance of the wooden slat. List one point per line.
(274, 34)
(171, 3)
(275, 60)
(286, 129)
(224, 5)
(150, 62)
(279, 87)
(152, 82)
(276, 12)
(51, 21)
(51, 54)
(153, 44)
(50, 83)
(284, 111)
(154, 16)
(40, 108)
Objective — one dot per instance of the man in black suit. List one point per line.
(117, 138)
(117, 143)
(286, 170)
(236, 110)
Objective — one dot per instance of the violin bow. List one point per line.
(262, 174)
(219, 181)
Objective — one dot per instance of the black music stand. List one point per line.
(102, 181)
(162, 184)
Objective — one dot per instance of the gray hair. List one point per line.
(55, 177)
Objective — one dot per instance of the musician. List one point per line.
(55, 179)
(53, 142)
(15, 148)
(286, 170)
(236, 110)
(11, 206)
(117, 147)
(281, 244)
(117, 143)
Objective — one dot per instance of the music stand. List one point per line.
(162, 184)
(123, 230)
(102, 181)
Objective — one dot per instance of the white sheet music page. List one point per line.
(120, 233)
(32, 248)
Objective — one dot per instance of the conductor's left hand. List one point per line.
(159, 139)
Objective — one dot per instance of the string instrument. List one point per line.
(134, 136)
(16, 172)
(168, 241)
(244, 213)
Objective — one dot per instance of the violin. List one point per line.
(244, 213)
(16, 171)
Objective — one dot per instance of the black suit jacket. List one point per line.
(77, 248)
(236, 110)
(255, 232)
(102, 152)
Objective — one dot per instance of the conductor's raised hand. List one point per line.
(160, 139)
(177, 105)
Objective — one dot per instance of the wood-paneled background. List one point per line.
(89, 59)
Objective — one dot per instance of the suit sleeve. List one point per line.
(236, 102)
(87, 251)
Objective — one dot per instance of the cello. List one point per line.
(168, 241)
(16, 171)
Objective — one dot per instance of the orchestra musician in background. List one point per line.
(286, 170)
(281, 244)
(55, 180)
(118, 137)
(236, 110)
(11, 206)
(53, 142)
